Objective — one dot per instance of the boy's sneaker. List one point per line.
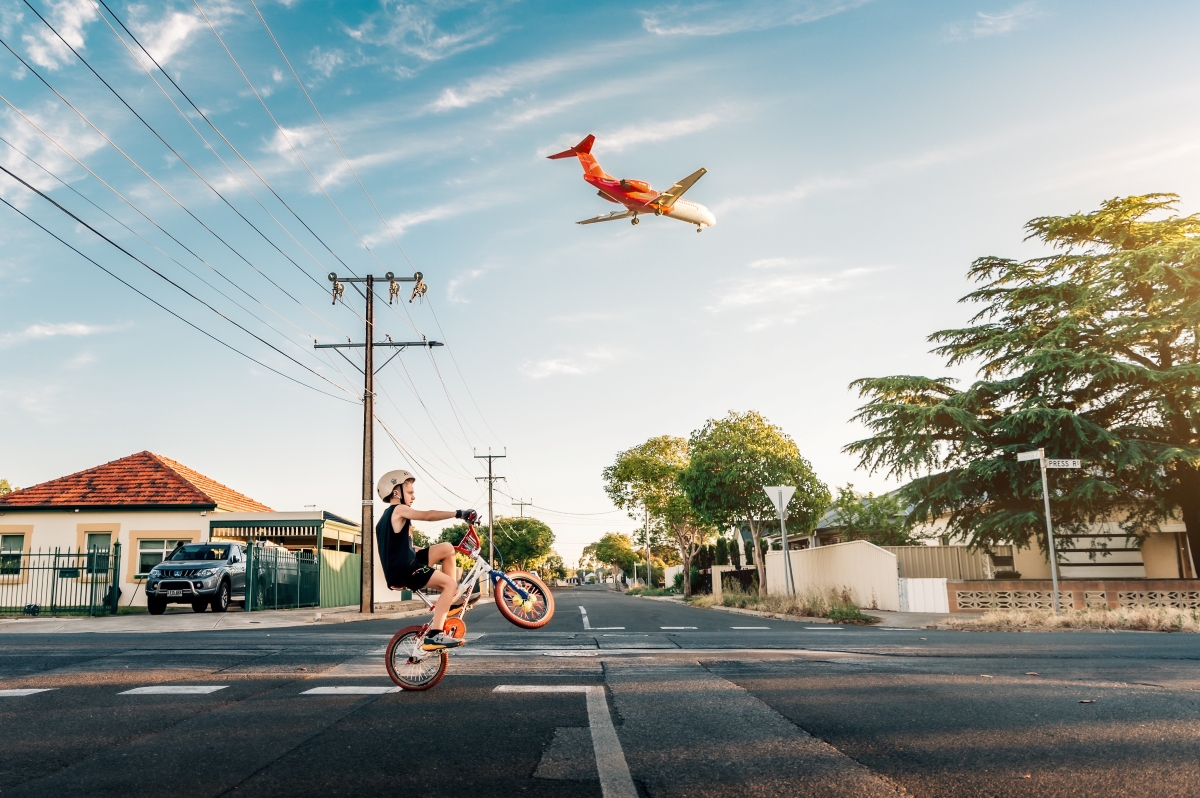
(470, 598)
(436, 640)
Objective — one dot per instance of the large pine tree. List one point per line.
(1090, 352)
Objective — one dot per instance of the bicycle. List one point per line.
(522, 598)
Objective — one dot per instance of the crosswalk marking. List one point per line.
(352, 689)
(14, 693)
(176, 689)
(587, 625)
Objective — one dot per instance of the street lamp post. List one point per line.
(1040, 456)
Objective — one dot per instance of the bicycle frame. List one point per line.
(471, 547)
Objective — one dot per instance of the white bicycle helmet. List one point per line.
(389, 481)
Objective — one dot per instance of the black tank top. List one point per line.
(396, 551)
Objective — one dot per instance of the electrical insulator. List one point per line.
(338, 290)
(419, 287)
(393, 291)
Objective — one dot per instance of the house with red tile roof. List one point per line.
(148, 504)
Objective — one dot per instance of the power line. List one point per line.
(174, 152)
(120, 248)
(149, 243)
(164, 307)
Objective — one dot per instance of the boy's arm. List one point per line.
(402, 511)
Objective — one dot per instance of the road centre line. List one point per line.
(676, 627)
(176, 689)
(587, 625)
(351, 690)
(19, 693)
(825, 628)
(615, 781)
(749, 627)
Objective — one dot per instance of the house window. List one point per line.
(98, 545)
(152, 552)
(11, 547)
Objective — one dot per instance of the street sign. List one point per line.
(1063, 464)
(780, 495)
(1036, 454)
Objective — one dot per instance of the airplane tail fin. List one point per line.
(583, 151)
(582, 148)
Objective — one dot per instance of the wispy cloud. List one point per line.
(35, 332)
(428, 32)
(456, 284)
(997, 24)
(326, 61)
(574, 365)
(875, 173)
(775, 291)
(501, 82)
(625, 137)
(168, 34)
(68, 131)
(70, 18)
(718, 18)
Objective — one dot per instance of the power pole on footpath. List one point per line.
(491, 480)
(367, 579)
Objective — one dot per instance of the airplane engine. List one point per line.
(635, 185)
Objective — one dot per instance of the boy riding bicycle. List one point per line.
(406, 567)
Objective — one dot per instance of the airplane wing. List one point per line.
(608, 217)
(668, 197)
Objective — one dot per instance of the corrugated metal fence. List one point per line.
(341, 578)
(944, 562)
(60, 582)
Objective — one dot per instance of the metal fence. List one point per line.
(60, 582)
(945, 562)
(341, 578)
(279, 579)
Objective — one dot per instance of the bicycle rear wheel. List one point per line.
(403, 649)
(531, 613)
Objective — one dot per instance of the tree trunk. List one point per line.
(760, 560)
(687, 575)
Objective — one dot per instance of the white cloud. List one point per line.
(583, 363)
(647, 132)
(326, 61)
(414, 29)
(36, 332)
(774, 291)
(715, 19)
(994, 24)
(455, 285)
(503, 81)
(69, 131)
(69, 18)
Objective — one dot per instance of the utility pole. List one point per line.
(367, 579)
(523, 505)
(491, 480)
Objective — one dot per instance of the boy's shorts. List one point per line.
(417, 576)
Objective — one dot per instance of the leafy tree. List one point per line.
(878, 519)
(420, 539)
(616, 550)
(1089, 352)
(553, 567)
(5, 487)
(523, 543)
(646, 478)
(732, 459)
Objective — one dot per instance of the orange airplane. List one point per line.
(636, 195)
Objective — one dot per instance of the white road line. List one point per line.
(749, 627)
(176, 689)
(615, 781)
(825, 628)
(587, 625)
(351, 690)
(13, 693)
(676, 627)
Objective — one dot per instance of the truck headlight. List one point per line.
(207, 572)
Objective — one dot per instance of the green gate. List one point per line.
(60, 582)
(280, 579)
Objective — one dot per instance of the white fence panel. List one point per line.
(864, 569)
(924, 595)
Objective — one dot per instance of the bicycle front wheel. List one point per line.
(409, 666)
(529, 613)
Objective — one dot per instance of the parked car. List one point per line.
(201, 574)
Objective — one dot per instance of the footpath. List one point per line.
(184, 620)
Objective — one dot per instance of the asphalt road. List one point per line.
(699, 706)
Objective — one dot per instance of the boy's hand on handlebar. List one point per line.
(470, 516)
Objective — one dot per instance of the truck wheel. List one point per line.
(220, 602)
(199, 605)
(155, 606)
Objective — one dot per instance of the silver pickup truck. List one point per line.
(201, 574)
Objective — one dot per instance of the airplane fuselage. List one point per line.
(637, 197)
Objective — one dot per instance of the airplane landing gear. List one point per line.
(658, 212)
(634, 220)
(699, 229)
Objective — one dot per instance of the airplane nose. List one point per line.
(709, 219)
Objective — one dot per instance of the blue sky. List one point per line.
(860, 155)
